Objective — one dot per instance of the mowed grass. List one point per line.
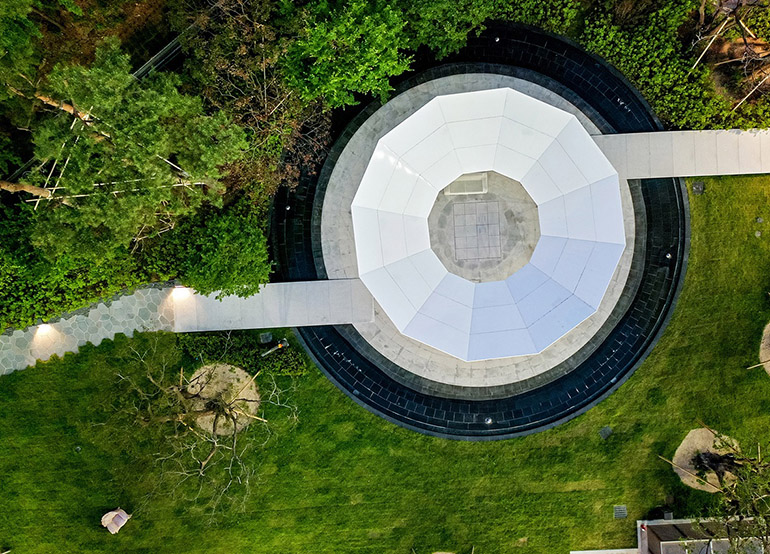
(342, 480)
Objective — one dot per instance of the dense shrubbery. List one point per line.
(242, 349)
(32, 287)
(650, 54)
(444, 25)
(221, 250)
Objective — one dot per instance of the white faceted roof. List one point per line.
(575, 188)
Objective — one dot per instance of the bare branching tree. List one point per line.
(206, 436)
(716, 19)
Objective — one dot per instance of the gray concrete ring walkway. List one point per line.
(340, 258)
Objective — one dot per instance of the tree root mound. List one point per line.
(764, 348)
(697, 441)
(229, 384)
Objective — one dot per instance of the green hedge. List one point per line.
(242, 349)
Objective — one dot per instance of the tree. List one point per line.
(201, 428)
(19, 54)
(120, 161)
(20, 58)
(444, 25)
(221, 251)
(234, 51)
(354, 49)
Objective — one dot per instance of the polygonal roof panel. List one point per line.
(580, 214)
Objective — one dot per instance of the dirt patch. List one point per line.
(696, 441)
(228, 384)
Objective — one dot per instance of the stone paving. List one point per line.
(295, 304)
(180, 310)
(485, 237)
(147, 309)
(476, 230)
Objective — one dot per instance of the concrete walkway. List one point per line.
(687, 153)
(341, 301)
(181, 310)
(297, 304)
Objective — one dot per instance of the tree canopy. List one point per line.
(121, 160)
(18, 53)
(354, 49)
(219, 250)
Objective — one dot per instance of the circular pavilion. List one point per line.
(459, 138)
(518, 278)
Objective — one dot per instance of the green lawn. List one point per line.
(343, 480)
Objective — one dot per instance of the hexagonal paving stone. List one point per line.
(22, 342)
(144, 313)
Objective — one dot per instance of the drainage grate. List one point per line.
(621, 512)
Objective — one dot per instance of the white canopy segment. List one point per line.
(579, 208)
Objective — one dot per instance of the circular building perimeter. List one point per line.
(517, 278)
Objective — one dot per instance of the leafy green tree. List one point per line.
(353, 49)
(19, 52)
(17, 34)
(444, 25)
(221, 251)
(121, 160)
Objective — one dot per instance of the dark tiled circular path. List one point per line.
(614, 106)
